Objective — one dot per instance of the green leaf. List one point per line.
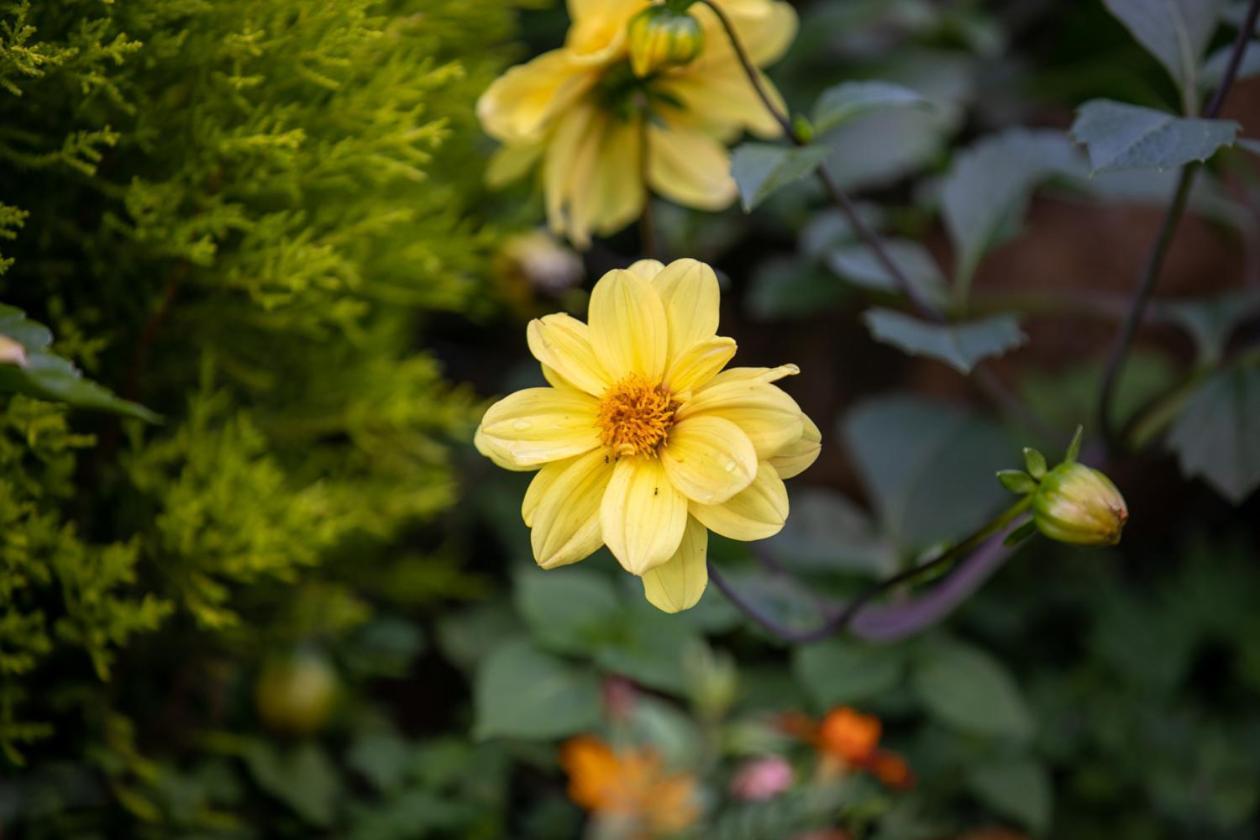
(828, 532)
(856, 263)
(1021, 533)
(790, 287)
(928, 466)
(987, 189)
(844, 101)
(1074, 445)
(1214, 68)
(303, 777)
(1176, 32)
(1035, 462)
(1217, 435)
(1121, 136)
(1017, 481)
(1211, 321)
(567, 610)
(521, 692)
(960, 345)
(761, 169)
(840, 671)
(1018, 788)
(648, 647)
(46, 376)
(967, 688)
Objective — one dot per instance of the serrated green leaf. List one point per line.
(964, 687)
(856, 263)
(1120, 136)
(303, 777)
(840, 671)
(1017, 481)
(1211, 321)
(844, 101)
(760, 169)
(960, 345)
(1018, 788)
(521, 692)
(1176, 32)
(1217, 435)
(987, 189)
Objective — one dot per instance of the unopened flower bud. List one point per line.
(1079, 505)
(661, 37)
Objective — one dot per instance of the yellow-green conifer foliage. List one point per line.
(238, 213)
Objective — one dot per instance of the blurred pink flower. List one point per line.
(761, 779)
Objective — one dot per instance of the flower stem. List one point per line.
(1163, 240)
(984, 378)
(838, 619)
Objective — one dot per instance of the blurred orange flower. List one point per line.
(849, 740)
(631, 785)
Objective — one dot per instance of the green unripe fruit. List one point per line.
(661, 37)
(296, 694)
(1079, 505)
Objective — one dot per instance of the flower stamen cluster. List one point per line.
(635, 417)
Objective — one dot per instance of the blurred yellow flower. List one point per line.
(583, 114)
(631, 787)
(643, 443)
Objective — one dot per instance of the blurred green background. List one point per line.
(301, 605)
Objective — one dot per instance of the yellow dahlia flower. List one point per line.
(643, 443)
(586, 118)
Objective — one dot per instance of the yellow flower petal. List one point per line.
(617, 188)
(501, 459)
(755, 513)
(765, 30)
(647, 269)
(563, 344)
(756, 374)
(520, 104)
(511, 163)
(568, 170)
(699, 364)
(709, 459)
(689, 291)
(566, 525)
(628, 327)
(678, 584)
(642, 515)
(538, 487)
(795, 458)
(768, 416)
(598, 32)
(690, 167)
(537, 425)
(719, 101)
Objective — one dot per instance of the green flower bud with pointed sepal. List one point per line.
(661, 37)
(1079, 505)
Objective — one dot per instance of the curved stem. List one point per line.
(985, 380)
(1159, 251)
(839, 619)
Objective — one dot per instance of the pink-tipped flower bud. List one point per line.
(1077, 504)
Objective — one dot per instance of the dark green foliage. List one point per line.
(237, 214)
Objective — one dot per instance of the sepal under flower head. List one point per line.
(661, 37)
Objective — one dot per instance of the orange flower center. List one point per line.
(635, 416)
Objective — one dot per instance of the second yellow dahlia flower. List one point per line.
(583, 114)
(643, 443)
